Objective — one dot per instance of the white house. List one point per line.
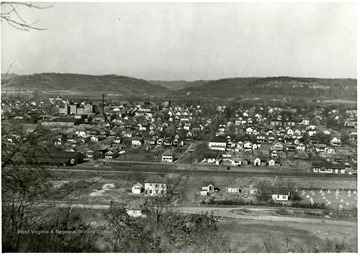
(249, 130)
(335, 141)
(248, 145)
(218, 143)
(206, 190)
(154, 188)
(168, 156)
(234, 190)
(330, 150)
(271, 162)
(281, 196)
(311, 133)
(94, 138)
(300, 147)
(136, 141)
(290, 132)
(138, 188)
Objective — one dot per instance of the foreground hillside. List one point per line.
(82, 83)
(287, 86)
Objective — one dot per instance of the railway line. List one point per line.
(159, 168)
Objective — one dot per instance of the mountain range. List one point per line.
(223, 88)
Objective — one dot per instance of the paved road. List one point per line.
(228, 213)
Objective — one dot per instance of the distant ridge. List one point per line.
(339, 88)
(82, 83)
(286, 86)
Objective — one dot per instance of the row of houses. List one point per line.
(280, 195)
(223, 143)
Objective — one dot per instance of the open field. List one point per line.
(249, 236)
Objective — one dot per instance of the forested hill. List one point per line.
(317, 88)
(82, 83)
(287, 86)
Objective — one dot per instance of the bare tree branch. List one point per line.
(14, 19)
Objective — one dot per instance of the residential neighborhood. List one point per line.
(320, 141)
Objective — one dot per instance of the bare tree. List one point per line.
(164, 229)
(11, 14)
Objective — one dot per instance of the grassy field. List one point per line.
(249, 236)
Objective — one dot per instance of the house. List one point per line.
(189, 135)
(311, 133)
(59, 158)
(111, 154)
(249, 190)
(134, 208)
(218, 143)
(154, 188)
(255, 146)
(290, 132)
(335, 141)
(167, 142)
(234, 190)
(278, 146)
(136, 141)
(330, 150)
(260, 161)
(305, 121)
(249, 130)
(168, 156)
(212, 157)
(274, 153)
(273, 162)
(281, 195)
(290, 148)
(138, 188)
(300, 147)
(235, 161)
(324, 167)
(117, 140)
(248, 146)
(320, 148)
(89, 154)
(271, 139)
(207, 190)
(261, 138)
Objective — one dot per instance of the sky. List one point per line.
(185, 41)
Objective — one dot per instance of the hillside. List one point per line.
(82, 83)
(179, 84)
(286, 86)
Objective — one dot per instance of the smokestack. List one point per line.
(103, 105)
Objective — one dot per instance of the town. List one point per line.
(245, 154)
(179, 128)
(317, 139)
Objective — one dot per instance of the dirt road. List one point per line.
(228, 213)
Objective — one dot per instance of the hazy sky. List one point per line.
(187, 41)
